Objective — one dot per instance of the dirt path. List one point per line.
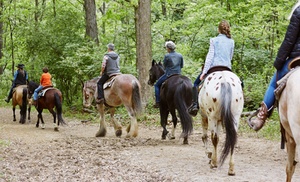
(28, 153)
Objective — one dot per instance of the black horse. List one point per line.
(176, 94)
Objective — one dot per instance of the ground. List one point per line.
(74, 153)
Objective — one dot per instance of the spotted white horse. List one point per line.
(221, 104)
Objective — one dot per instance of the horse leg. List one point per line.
(163, 121)
(56, 125)
(205, 136)
(29, 109)
(291, 163)
(117, 125)
(174, 121)
(14, 113)
(132, 128)
(102, 130)
(215, 140)
(40, 117)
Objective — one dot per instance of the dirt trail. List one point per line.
(28, 153)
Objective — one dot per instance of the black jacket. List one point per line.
(290, 47)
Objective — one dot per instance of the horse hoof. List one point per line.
(185, 142)
(118, 133)
(209, 154)
(55, 129)
(231, 173)
(101, 133)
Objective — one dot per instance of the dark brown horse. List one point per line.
(176, 94)
(124, 90)
(50, 99)
(20, 98)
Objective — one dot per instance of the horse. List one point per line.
(221, 104)
(51, 97)
(20, 98)
(288, 108)
(122, 89)
(176, 94)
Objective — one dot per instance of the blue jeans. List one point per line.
(157, 86)
(269, 97)
(36, 91)
(197, 81)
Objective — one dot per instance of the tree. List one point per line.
(91, 29)
(143, 44)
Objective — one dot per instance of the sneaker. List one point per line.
(99, 101)
(156, 105)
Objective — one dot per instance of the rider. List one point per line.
(173, 62)
(289, 49)
(20, 78)
(45, 81)
(110, 67)
(220, 54)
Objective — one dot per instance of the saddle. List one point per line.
(211, 70)
(44, 90)
(110, 81)
(293, 66)
(19, 86)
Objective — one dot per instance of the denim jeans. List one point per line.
(197, 81)
(36, 91)
(269, 97)
(157, 86)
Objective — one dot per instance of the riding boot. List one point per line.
(193, 109)
(100, 98)
(9, 95)
(261, 117)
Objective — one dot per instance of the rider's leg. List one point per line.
(100, 83)
(157, 89)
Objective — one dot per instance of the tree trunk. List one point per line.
(143, 46)
(91, 29)
(1, 35)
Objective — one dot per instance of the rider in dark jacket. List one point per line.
(173, 62)
(289, 49)
(20, 78)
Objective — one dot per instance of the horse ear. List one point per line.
(159, 63)
(153, 62)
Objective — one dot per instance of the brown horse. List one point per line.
(20, 98)
(51, 98)
(124, 89)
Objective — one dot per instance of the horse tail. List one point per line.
(24, 103)
(58, 106)
(136, 98)
(227, 120)
(181, 106)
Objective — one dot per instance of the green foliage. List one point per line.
(40, 36)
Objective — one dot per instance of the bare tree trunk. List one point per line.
(1, 36)
(91, 29)
(143, 46)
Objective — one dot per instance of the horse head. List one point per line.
(88, 92)
(31, 87)
(155, 72)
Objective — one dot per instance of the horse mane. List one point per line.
(33, 84)
(92, 84)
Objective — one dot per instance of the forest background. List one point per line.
(70, 37)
